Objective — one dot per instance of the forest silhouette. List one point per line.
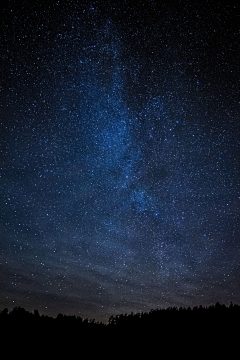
(213, 327)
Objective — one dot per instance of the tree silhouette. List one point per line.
(214, 326)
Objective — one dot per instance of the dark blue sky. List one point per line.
(119, 156)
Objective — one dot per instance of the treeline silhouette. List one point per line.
(214, 315)
(215, 324)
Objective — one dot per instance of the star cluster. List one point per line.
(119, 133)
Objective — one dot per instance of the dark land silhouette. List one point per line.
(214, 328)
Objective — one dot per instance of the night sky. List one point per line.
(119, 156)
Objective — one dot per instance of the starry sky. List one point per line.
(119, 155)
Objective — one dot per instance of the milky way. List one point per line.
(119, 156)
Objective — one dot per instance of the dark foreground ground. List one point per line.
(210, 332)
